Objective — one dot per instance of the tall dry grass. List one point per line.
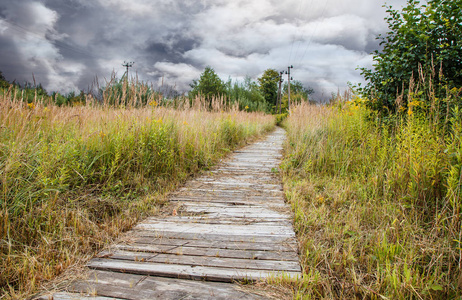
(73, 178)
(377, 205)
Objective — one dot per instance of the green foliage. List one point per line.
(4, 84)
(247, 94)
(124, 92)
(424, 43)
(208, 86)
(297, 91)
(375, 198)
(280, 118)
(70, 99)
(269, 86)
(298, 94)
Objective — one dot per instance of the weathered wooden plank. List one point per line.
(249, 175)
(233, 219)
(231, 205)
(257, 153)
(76, 296)
(213, 252)
(212, 236)
(234, 209)
(238, 199)
(241, 184)
(246, 180)
(126, 255)
(251, 197)
(285, 246)
(230, 200)
(160, 288)
(211, 214)
(234, 191)
(275, 204)
(259, 165)
(114, 278)
(241, 171)
(231, 177)
(219, 229)
(252, 163)
(279, 204)
(183, 271)
(251, 207)
(206, 261)
(190, 208)
(171, 224)
(237, 219)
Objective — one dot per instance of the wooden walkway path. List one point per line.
(232, 224)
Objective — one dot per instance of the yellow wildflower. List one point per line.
(31, 105)
(414, 102)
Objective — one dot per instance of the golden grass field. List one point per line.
(73, 178)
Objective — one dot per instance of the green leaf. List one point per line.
(436, 287)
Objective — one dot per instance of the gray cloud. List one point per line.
(65, 44)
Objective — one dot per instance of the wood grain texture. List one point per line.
(213, 273)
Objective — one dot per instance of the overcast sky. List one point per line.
(66, 43)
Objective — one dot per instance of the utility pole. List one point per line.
(288, 73)
(128, 65)
(279, 102)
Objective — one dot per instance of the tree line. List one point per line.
(248, 94)
(260, 95)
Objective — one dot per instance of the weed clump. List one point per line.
(376, 202)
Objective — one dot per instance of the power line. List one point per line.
(56, 43)
(294, 37)
(289, 78)
(128, 65)
(298, 30)
(316, 28)
(279, 100)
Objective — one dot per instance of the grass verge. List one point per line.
(73, 178)
(377, 206)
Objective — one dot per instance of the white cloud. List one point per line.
(33, 44)
(179, 75)
(174, 40)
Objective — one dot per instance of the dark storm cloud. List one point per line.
(67, 43)
(10, 60)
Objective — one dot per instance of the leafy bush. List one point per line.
(280, 118)
(377, 206)
(208, 86)
(424, 45)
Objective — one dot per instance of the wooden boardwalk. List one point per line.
(231, 224)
